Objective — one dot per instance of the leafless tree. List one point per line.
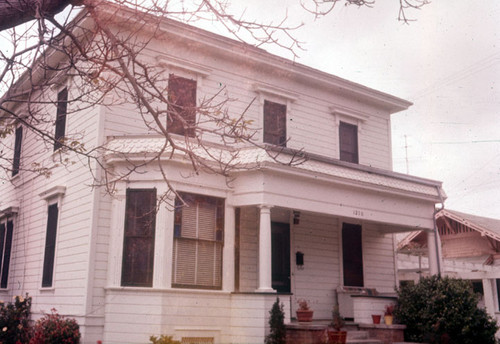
(52, 40)
(322, 8)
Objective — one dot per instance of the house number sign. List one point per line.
(357, 213)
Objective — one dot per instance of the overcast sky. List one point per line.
(447, 63)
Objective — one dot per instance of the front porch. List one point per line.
(309, 256)
(316, 333)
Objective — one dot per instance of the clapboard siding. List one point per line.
(317, 237)
(68, 293)
(310, 121)
(249, 232)
(378, 256)
(164, 313)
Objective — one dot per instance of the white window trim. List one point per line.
(52, 195)
(276, 95)
(341, 222)
(350, 116)
(58, 87)
(5, 216)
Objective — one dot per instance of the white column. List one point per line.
(265, 258)
(433, 255)
(228, 254)
(489, 297)
(163, 241)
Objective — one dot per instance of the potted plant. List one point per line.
(376, 318)
(304, 313)
(335, 333)
(388, 314)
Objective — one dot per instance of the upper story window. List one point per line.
(6, 234)
(138, 242)
(198, 242)
(62, 108)
(348, 142)
(181, 118)
(274, 123)
(16, 162)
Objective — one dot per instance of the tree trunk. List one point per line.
(15, 12)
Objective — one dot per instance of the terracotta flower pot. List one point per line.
(376, 318)
(304, 315)
(337, 337)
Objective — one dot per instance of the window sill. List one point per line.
(47, 289)
(167, 290)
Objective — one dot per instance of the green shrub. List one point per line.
(277, 334)
(55, 329)
(443, 310)
(14, 320)
(163, 340)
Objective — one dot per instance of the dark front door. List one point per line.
(281, 256)
(352, 249)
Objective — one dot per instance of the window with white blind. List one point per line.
(198, 242)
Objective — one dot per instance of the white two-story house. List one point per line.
(127, 266)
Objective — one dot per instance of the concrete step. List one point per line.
(363, 341)
(357, 334)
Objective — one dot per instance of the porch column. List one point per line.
(433, 255)
(265, 260)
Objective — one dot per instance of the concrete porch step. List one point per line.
(356, 334)
(364, 341)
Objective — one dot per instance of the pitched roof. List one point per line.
(124, 148)
(486, 226)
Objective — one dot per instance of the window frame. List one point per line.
(186, 111)
(345, 154)
(52, 195)
(49, 255)
(16, 160)
(278, 135)
(130, 278)
(6, 240)
(217, 241)
(61, 115)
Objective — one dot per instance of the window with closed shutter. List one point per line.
(16, 162)
(198, 242)
(138, 241)
(50, 245)
(275, 123)
(62, 109)
(348, 136)
(181, 116)
(6, 234)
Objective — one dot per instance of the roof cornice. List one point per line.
(248, 52)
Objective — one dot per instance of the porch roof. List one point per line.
(135, 148)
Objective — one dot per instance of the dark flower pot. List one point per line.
(304, 315)
(376, 318)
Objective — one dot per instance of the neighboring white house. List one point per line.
(470, 247)
(211, 271)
